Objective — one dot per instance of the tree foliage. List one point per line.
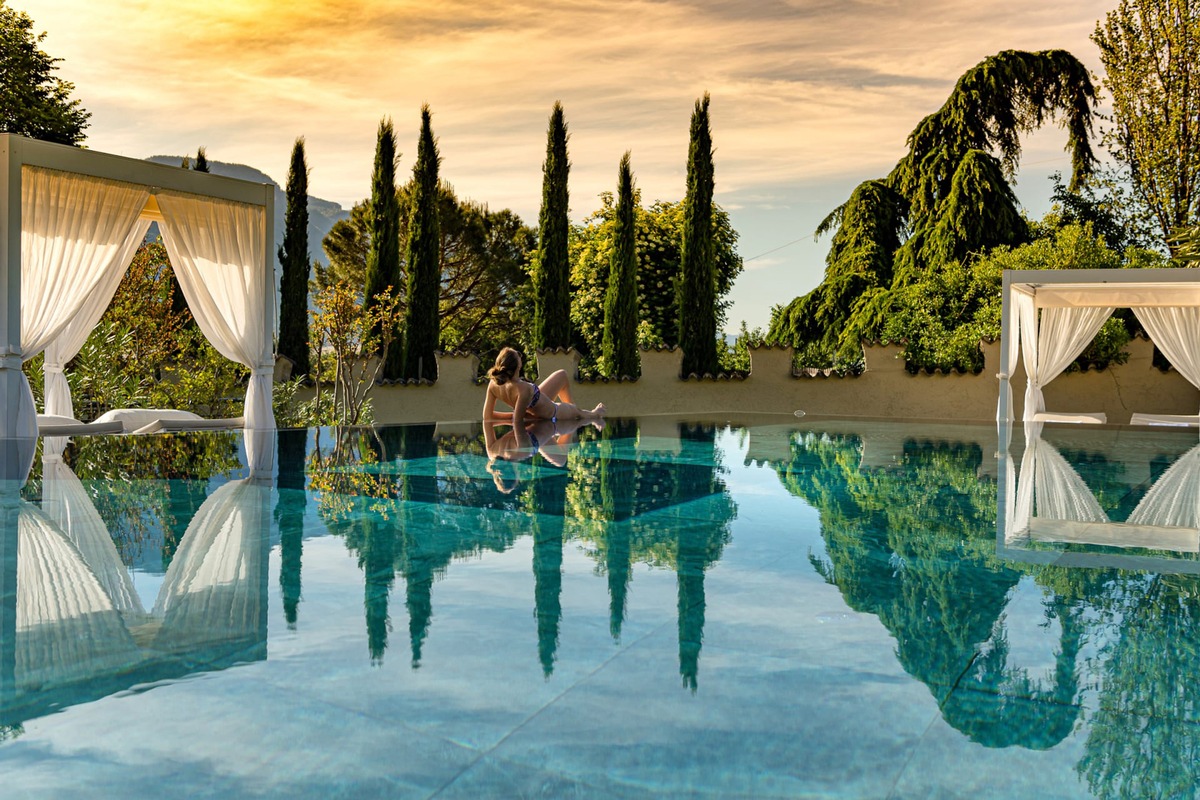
(697, 284)
(659, 230)
(948, 200)
(484, 297)
(294, 261)
(1151, 55)
(552, 268)
(382, 273)
(33, 101)
(619, 346)
(421, 332)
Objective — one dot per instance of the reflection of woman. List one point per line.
(553, 439)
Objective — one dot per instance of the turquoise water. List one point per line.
(764, 607)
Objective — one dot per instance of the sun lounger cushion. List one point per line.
(132, 419)
(1180, 420)
(55, 425)
(1090, 418)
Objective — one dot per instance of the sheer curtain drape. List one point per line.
(217, 249)
(1022, 309)
(1176, 332)
(1174, 499)
(1050, 488)
(1050, 346)
(71, 338)
(74, 229)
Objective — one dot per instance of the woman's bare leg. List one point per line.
(557, 384)
(572, 411)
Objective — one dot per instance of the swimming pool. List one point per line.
(766, 607)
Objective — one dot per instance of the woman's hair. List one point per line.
(506, 366)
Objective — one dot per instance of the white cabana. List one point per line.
(1050, 316)
(70, 221)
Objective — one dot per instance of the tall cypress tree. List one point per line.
(551, 279)
(294, 261)
(698, 280)
(383, 215)
(620, 352)
(421, 323)
(201, 162)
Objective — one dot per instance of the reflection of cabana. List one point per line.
(1050, 316)
(70, 221)
(1052, 505)
(71, 626)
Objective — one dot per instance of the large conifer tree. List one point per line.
(552, 291)
(294, 262)
(697, 279)
(421, 325)
(951, 195)
(383, 214)
(620, 353)
(33, 102)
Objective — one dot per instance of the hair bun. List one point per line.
(499, 374)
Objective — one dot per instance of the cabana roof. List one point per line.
(1050, 316)
(70, 220)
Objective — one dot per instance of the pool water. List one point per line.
(761, 607)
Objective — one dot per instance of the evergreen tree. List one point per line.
(201, 162)
(552, 272)
(421, 324)
(33, 102)
(620, 351)
(697, 279)
(1151, 55)
(294, 261)
(383, 217)
(951, 195)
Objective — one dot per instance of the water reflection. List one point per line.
(75, 628)
(933, 535)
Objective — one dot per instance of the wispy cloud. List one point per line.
(806, 93)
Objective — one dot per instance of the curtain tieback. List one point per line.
(53, 369)
(10, 358)
(264, 371)
(1002, 376)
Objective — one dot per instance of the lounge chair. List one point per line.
(53, 425)
(1087, 418)
(1177, 420)
(165, 420)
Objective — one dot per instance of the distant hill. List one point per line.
(322, 214)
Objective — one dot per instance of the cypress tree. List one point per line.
(421, 323)
(383, 217)
(698, 281)
(551, 278)
(620, 352)
(201, 162)
(294, 262)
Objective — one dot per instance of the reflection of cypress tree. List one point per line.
(377, 557)
(547, 493)
(418, 597)
(289, 516)
(618, 490)
(689, 571)
(1144, 740)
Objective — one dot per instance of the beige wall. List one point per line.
(884, 390)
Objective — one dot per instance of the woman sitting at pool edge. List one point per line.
(549, 400)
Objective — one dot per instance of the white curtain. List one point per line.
(73, 229)
(1022, 309)
(218, 251)
(1176, 332)
(1174, 499)
(1049, 347)
(66, 503)
(1049, 488)
(71, 338)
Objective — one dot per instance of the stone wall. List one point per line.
(885, 390)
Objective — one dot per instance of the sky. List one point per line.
(809, 97)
